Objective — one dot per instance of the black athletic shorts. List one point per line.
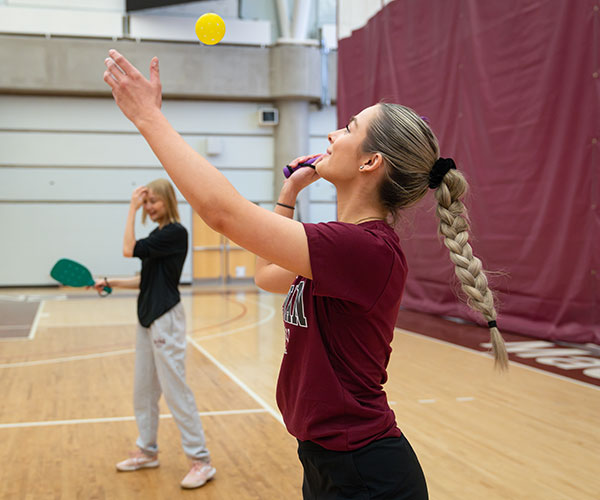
(384, 469)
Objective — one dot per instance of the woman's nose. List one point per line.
(332, 136)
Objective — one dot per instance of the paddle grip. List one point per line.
(288, 170)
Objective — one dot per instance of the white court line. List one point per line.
(229, 373)
(241, 328)
(13, 298)
(128, 351)
(121, 419)
(81, 325)
(67, 359)
(515, 363)
(465, 399)
(242, 385)
(36, 320)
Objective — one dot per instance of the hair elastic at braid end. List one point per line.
(492, 324)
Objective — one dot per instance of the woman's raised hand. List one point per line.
(138, 196)
(136, 96)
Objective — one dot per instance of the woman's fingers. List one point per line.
(154, 71)
(124, 64)
(114, 71)
(108, 78)
(304, 158)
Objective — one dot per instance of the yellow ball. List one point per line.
(210, 28)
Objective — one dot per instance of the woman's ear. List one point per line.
(372, 162)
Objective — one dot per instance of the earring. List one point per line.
(361, 167)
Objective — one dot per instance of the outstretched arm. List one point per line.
(133, 282)
(277, 239)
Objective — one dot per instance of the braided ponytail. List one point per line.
(409, 149)
(454, 227)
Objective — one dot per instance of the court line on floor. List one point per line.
(77, 421)
(267, 318)
(228, 372)
(66, 359)
(239, 382)
(511, 362)
(90, 325)
(36, 320)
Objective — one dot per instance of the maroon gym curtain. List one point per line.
(511, 89)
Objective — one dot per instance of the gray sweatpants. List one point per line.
(160, 368)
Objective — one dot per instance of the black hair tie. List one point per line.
(492, 324)
(439, 169)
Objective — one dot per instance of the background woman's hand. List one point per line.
(138, 196)
(99, 285)
(137, 97)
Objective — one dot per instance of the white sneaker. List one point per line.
(199, 474)
(138, 460)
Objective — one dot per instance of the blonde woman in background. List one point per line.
(344, 280)
(161, 334)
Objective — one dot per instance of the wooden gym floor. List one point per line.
(66, 376)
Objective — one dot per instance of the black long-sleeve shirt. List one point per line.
(162, 253)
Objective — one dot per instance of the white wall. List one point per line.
(104, 19)
(354, 14)
(68, 166)
(322, 194)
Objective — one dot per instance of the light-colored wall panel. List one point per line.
(103, 185)
(225, 8)
(95, 5)
(102, 115)
(181, 28)
(254, 185)
(68, 151)
(354, 14)
(321, 190)
(28, 20)
(40, 234)
(318, 143)
(322, 121)
(116, 150)
(322, 212)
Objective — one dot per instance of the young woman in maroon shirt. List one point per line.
(344, 279)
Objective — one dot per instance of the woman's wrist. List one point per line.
(289, 207)
(287, 196)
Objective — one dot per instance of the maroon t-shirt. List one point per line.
(338, 330)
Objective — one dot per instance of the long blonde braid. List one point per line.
(454, 227)
(410, 149)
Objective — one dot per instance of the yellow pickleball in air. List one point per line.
(210, 28)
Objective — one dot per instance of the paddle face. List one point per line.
(71, 273)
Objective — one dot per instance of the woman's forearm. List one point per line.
(133, 282)
(129, 236)
(269, 276)
(207, 190)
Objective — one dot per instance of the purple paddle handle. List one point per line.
(287, 170)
